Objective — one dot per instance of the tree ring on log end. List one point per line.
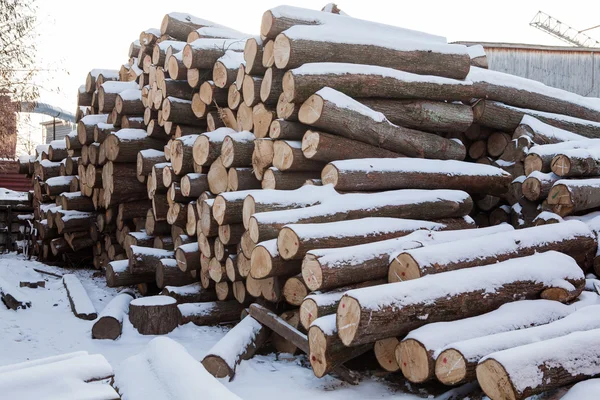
(494, 380)
(561, 165)
(310, 143)
(311, 109)
(330, 175)
(281, 51)
(311, 272)
(413, 359)
(385, 353)
(261, 263)
(288, 243)
(403, 268)
(348, 319)
(317, 351)
(450, 367)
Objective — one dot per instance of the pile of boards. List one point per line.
(356, 188)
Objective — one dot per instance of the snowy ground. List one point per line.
(49, 328)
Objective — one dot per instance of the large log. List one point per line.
(204, 53)
(226, 67)
(537, 185)
(85, 130)
(304, 44)
(288, 156)
(540, 157)
(326, 147)
(361, 81)
(108, 92)
(577, 163)
(207, 147)
(369, 314)
(210, 313)
(168, 273)
(330, 268)
(295, 240)
(387, 174)
(328, 108)
(182, 159)
(192, 293)
(146, 259)
(110, 321)
(574, 238)
(276, 179)
(188, 257)
(431, 204)
(180, 25)
(461, 356)
(568, 196)
(123, 145)
(154, 315)
(266, 262)
(418, 351)
(240, 343)
(236, 150)
(573, 358)
(81, 305)
(239, 179)
(117, 274)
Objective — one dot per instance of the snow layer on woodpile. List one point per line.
(49, 164)
(219, 134)
(188, 309)
(448, 167)
(306, 195)
(118, 86)
(59, 180)
(131, 94)
(361, 69)
(58, 144)
(107, 73)
(541, 268)
(118, 306)
(327, 324)
(476, 51)
(185, 17)
(130, 134)
(185, 290)
(153, 301)
(218, 44)
(152, 153)
(549, 130)
(586, 390)
(94, 119)
(593, 182)
(232, 59)
(242, 137)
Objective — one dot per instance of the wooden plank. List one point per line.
(279, 326)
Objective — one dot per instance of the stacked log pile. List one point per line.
(315, 170)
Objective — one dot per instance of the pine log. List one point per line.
(271, 86)
(110, 321)
(432, 204)
(168, 274)
(208, 225)
(123, 145)
(207, 147)
(288, 156)
(500, 374)
(210, 94)
(204, 53)
(236, 150)
(418, 351)
(146, 159)
(366, 315)
(154, 315)
(266, 262)
(239, 179)
(145, 259)
(294, 290)
(328, 107)
(226, 68)
(210, 313)
(222, 358)
(217, 177)
(576, 163)
(287, 130)
(85, 130)
(569, 196)
(262, 157)
(276, 179)
(182, 159)
(188, 257)
(331, 268)
(253, 56)
(538, 184)
(192, 293)
(244, 118)
(384, 350)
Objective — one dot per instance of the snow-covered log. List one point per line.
(330, 268)
(117, 274)
(182, 159)
(85, 130)
(240, 343)
(422, 204)
(154, 315)
(326, 147)
(540, 158)
(295, 240)
(266, 262)
(81, 305)
(537, 185)
(586, 390)
(124, 145)
(530, 369)
(573, 238)
(456, 362)
(369, 314)
(12, 297)
(373, 174)
(164, 362)
(328, 108)
(168, 273)
(110, 321)
(288, 156)
(204, 53)
(207, 147)
(236, 150)
(210, 313)
(577, 162)
(420, 348)
(146, 259)
(192, 293)
(568, 196)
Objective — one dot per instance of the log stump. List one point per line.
(155, 315)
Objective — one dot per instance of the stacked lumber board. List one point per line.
(349, 188)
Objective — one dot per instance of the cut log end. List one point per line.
(310, 142)
(403, 268)
(309, 311)
(561, 165)
(385, 353)
(261, 263)
(413, 359)
(318, 351)
(282, 51)
(450, 367)
(348, 318)
(288, 243)
(311, 110)
(106, 328)
(533, 162)
(217, 367)
(494, 380)
(531, 189)
(218, 209)
(330, 175)
(294, 291)
(311, 272)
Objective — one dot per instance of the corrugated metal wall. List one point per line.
(575, 71)
(11, 179)
(61, 132)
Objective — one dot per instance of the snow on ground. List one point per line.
(49, 328)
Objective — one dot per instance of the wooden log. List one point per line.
(262, 157)
(244, 118)
(146, 159)
(226, 67)
(108, 92)
(253, 55)
(276, 179)
(231, 234)
(204, 53)
(236, 150)
(294, 290)
(576, 163)
(192, 293)
(58, 185)
(210, 313)
(268, 58)
(251, 90)
(271, 86)
(326, 350)
(129, 102)
(110, 321)
(180, 111)
(574, 239)
(331, 268)
(326, 108)
(446, 204)
(217, 177)
(232, 272)
(192, 219)
(465, 354)
(387, 174)
(384, 350)
(154, 315)
(117, 274)
(85, 130)
(538, 184)
(499, 378)
(325, 147)
(123, 146)
(240, 179)
(222, 359)
(319, 304)
(207, 147)
(168, 274)
(12, 297)
(497, 142)
(301, 44)
(570, 196)
(376, 82)
(182, 159)
(81, 305)
(288, 156)
(287, 130)
(210, 94)
(266, 262)
(188, 257)
(417, 352)
(295, 240)
(361, 323)
(146, 259)
(73, 221)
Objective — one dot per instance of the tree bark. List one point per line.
(154, 315)
(569, 196)
(324, 147)
(276, 179)
(192, 293)
(210, 313)
(239, 179)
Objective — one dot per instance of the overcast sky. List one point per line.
(78, 35)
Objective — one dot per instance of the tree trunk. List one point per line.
(537, 185)
(210, 313)
(569, 196)
(251, 90)
(390, 174)
(182, 158)
(266, 262)
(370, 314)
(271, 86)
(168, 274)
(210, 94)
(325, 147)
(110, 322)
(217, 177)
(363, 124)
(577, 163)
(430, 205)
(239, 179)
(288, 156)
(236, 150)
(253, 55)
(154, 315)
(146, 259)
(124, 145)
(208, 225)
(207, 147)
(276, 179)
(188, 257)
(262, 157)
(287, 130)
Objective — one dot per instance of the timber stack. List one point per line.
(374, 190)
